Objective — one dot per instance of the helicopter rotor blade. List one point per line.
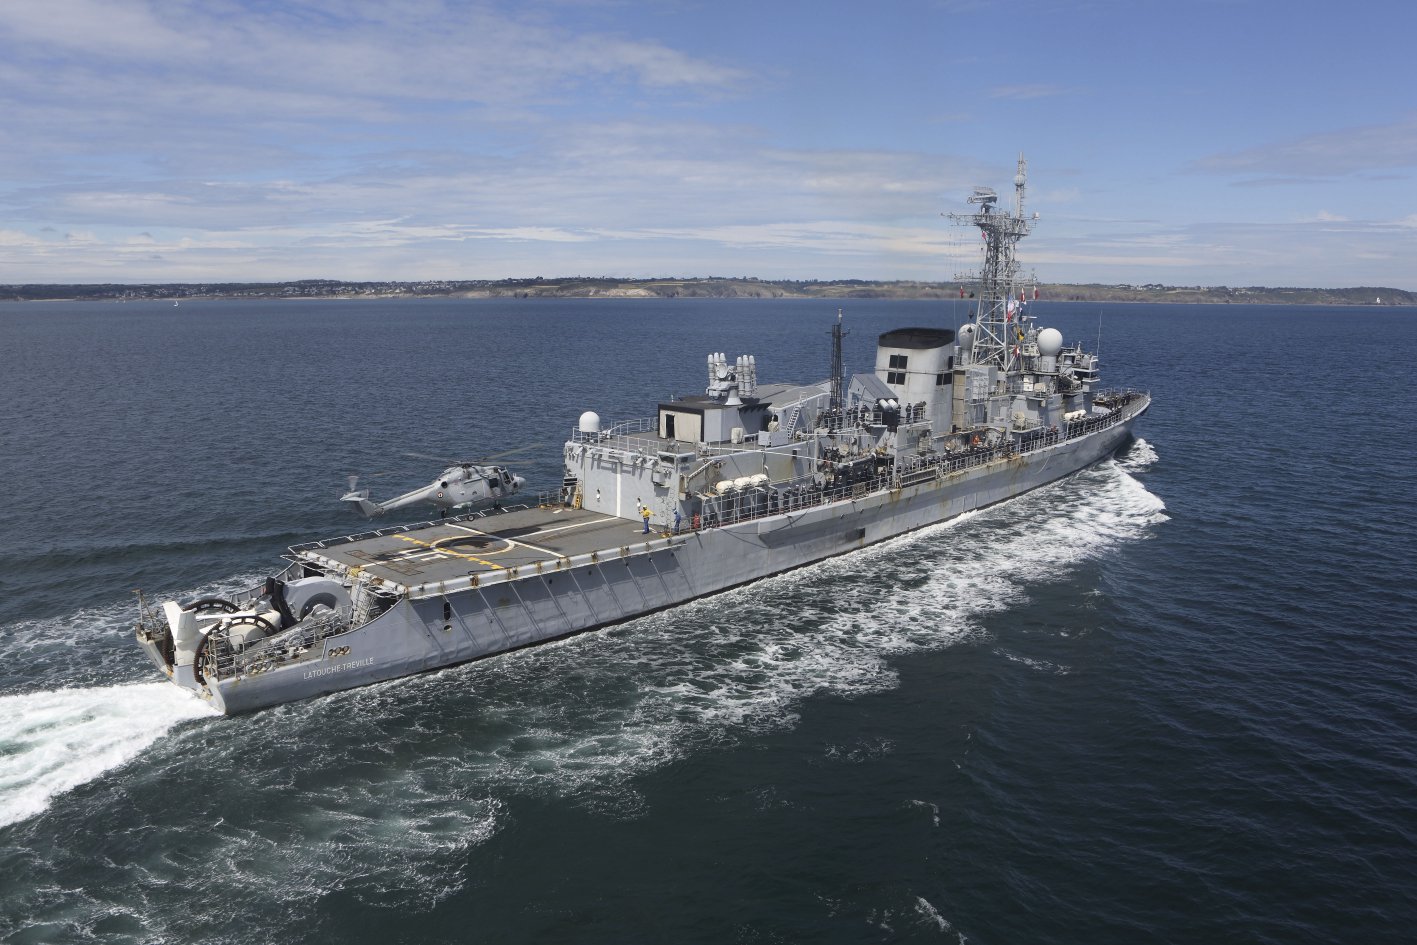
(510, 452)
(378, 475)
(450, 461)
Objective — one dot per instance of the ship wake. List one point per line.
(583, 716)
(52, 742)
(79, 710)
(388, 787)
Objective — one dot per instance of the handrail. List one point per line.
(921, 469)
(221, 660)
(639, 425)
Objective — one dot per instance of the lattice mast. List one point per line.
(1001, 291)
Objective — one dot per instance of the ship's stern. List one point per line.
(171, 638)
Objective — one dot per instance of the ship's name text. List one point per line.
(342, 667)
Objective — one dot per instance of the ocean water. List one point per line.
(1170, 698)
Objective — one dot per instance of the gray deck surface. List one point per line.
(444, 551)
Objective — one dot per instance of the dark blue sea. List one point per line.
(1172, 698)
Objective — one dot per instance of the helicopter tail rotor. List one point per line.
(368, 509)
(360, 500)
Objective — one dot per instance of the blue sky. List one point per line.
(1220, 142)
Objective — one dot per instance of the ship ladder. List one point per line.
(363, 592)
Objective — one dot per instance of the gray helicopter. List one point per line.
(463, 485)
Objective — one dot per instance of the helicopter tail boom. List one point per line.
(368, 509)
(360, 500)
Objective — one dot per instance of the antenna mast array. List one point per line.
(838, 399)
(1001, 293)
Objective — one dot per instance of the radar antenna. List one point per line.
(1001, 296)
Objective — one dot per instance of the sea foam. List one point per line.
(710, 672)
(51, 742)
(661, 686)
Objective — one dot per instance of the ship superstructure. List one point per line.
(716, 489)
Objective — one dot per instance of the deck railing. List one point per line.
(221, 660)
(621, 429)
(734, 508)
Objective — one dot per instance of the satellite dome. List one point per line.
(966, 336)
(590, 422)
(1050, 342)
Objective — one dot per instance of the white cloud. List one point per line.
(1311, 253)
(17, 238)
(92, 26)
(578, 177)
(300, 56)
(1291, 254)
(1300, 160)
(429, 138)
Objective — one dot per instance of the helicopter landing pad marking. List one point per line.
(441, 544)
(510, 543)
(536, 548)
(475, 533)
(514, 543)
(562, 528)
(433, 547)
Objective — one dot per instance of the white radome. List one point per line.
(590, 422)
(1050, 342)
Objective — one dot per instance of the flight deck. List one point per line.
(501, 545)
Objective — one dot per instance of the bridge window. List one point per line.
(896, 375)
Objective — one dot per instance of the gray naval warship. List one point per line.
(715, 490)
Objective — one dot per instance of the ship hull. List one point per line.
(416, 636)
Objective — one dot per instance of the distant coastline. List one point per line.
(580, 287)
